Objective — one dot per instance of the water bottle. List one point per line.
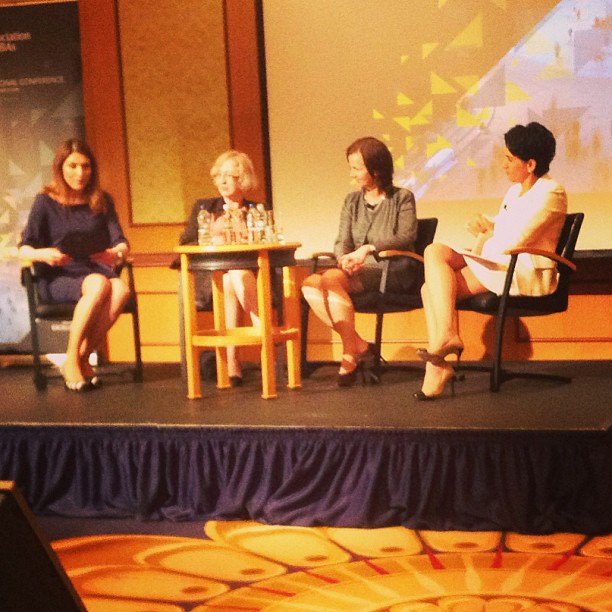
(251, 218)
(204, 233)
(228, 227)
(270, 235)
(260, 223)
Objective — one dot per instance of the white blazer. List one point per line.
(532, 219)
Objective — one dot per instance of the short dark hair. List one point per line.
(377, 159)
(532, 141)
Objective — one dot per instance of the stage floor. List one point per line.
(160, 401)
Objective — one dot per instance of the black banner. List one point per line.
(41, 104)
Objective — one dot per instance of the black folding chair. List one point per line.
(58, 316)
(506, 305)
(380, 302)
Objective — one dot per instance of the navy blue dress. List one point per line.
(76, 231)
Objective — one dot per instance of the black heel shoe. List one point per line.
(235, 381)
(348, 379)
(95, 381)
(453, 378)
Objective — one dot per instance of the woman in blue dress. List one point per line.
(74, 239)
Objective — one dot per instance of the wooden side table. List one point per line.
(219, 259)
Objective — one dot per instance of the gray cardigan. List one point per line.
(391, 225)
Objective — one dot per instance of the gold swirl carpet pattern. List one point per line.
(250, 567)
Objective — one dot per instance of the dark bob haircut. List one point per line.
(377, 159)
(532, 141)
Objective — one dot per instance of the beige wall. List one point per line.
(176, 103)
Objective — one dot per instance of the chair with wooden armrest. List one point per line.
(59, 315)
(378, 302)
(506, 305)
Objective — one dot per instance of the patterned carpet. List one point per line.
(249, 567)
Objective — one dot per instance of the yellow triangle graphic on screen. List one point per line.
(468, 81)
(427, 49)
(377, 115)
(554, 71)
(515, 94)
(409, 143)
(434, 147)
(423, 117)
(470, 36)
(440, 86)
(399, 163)
(405, 122)
(466, 119)
(403, 100)
(441, 3)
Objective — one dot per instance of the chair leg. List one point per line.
(378, 344)
(138, 375)
(496, 370)
(39, 379)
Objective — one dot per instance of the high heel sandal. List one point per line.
(439, 357)
(364, 364)
(453, 377)
(95, 381)
(78, 386)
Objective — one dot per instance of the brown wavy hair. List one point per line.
(59, 189)
(377, 159)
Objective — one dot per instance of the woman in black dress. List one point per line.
(74, 239)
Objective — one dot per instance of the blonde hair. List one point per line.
(246, 170)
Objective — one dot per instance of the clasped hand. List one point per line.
(353, 262)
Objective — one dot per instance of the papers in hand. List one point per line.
(81, 245)
(485, 261)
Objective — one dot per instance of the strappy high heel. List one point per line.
(95, 381)
(452, 377)
(438, 357)
(364, 365)
(78, 386)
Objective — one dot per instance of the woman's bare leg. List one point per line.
(447, 278)
(95, 291)
(233, 318)
(244, 285)
(109, 312)
(328, 296)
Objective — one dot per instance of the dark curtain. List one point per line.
(525, 482)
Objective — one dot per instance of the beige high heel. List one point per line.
(437, 358)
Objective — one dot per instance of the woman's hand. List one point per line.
(354, 261)
(110, 257)
(49, 255)
(480, 224)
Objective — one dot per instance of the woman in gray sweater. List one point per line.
(377, 217)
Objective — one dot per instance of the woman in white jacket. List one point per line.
(532, 214)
